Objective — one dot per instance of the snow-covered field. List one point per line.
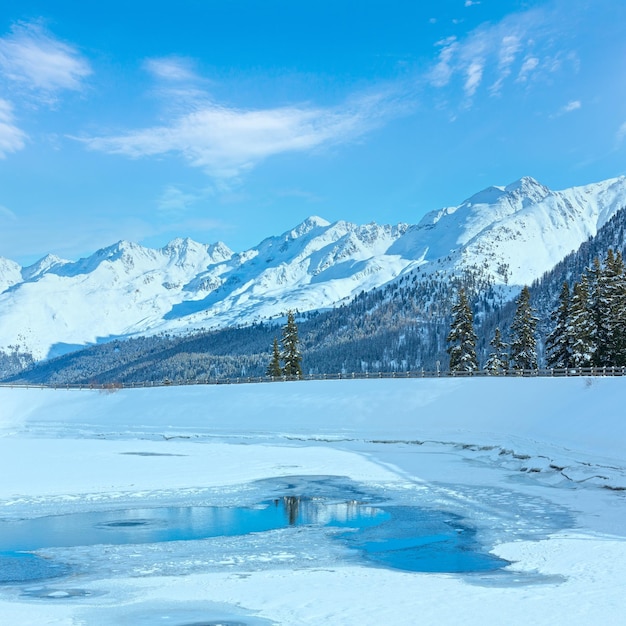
(538, 466)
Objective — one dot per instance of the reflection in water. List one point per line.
(291, 504)
(136, 526)
(402, 537)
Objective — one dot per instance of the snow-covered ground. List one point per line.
(537, 466)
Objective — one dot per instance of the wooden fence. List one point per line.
(530, 373)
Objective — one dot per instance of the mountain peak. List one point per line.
(525, 185)
(489, 195)
(42, 266)
(308, 225)
(316, 220)
(182, 244)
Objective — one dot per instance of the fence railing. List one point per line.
(524, 373)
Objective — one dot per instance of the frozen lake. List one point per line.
(374, 529)
(372, 503)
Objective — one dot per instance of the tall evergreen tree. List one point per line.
(581, 328)
(498, 360)
(614, 293)
(274, 369)
(462, 338)
(523, 329)
(558, 342)
(598, 309)
(292, 357)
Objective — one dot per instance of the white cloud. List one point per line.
(176, 69)
(471, 3)
(573, 105)
(176, 82)
(444, 69)
(509, 49)
(11, 137)
(33, 59)
(621, 133)
(494, 52)
(226, 142)
(529, 65)
(474, 76)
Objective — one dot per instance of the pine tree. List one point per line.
(598, 309)
(618, 311)
(523, 329)
(291, 353)
(462, 338)
(614, 299)
(581, 328)
(498, 360)
(274, 369)
(558, 342)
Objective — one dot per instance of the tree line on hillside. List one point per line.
(590, 320)
(520, 354)
(589, 326)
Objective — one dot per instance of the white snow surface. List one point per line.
(500, 452)
(513, 233)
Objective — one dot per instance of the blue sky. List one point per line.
(234, 120)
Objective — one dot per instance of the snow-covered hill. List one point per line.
(513, 234)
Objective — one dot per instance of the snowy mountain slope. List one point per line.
(512, 234)
(516, 232)
(10, 274)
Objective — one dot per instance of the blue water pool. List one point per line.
(401, 537)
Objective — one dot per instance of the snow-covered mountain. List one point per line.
(513, 234)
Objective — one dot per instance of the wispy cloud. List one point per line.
(11, 137)
(621, 133)
(225, 142)
(176, 82)
(529, 65)
(572, 105)
(509, 49)
(32, 59)
(517, 45)
(443, 71)
(474, 76)
(174, 68)
(7, 214)
(175, 201)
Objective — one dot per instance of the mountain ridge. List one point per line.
(511, 234)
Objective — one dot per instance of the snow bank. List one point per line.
(584, 415)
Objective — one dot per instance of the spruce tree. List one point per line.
(558, 342)
(274, 369)
(581, 328)
(462, 338)
(291, 351)
(523, 329)
(614, 299)
(618, 311)
(498, 360)
(598, 309)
